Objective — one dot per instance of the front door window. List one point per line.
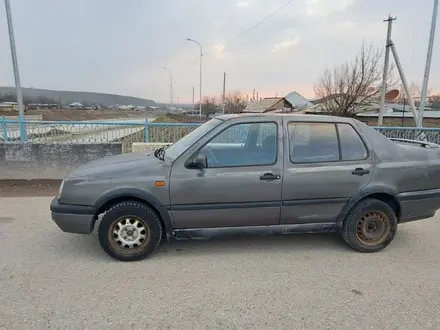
(243, 145)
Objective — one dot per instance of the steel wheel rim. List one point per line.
(373, 228)
(129, 234)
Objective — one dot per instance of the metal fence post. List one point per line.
(146, 131)
(5, 129)
(22, 128)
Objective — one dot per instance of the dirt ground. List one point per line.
(79, 114)
(28, 188)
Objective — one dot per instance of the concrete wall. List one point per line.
(400, 122)
(49, 161)
(142, 146)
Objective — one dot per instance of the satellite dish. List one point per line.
(392, 95)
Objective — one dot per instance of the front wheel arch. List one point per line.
(106, 201)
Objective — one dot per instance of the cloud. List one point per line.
(323, 8)
(242, 3)
(286, 44)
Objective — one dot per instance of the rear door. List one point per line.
(242, 184)
(325, 164)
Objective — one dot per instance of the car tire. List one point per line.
(130, 231)
(370, 226)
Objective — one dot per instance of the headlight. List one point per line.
(60, 189)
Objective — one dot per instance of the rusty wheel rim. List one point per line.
(373, 228)
(129, 235)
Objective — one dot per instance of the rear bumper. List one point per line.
(73, 218)
(417, 205)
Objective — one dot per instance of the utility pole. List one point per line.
(193, 95)
(404, 82)
(171, 84)
(224, 91)
(390, 46)
(16, 72)
(428, 65)
(385, 69)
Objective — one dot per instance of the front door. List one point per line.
(326, 165)
(242, 184)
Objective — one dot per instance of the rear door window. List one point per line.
(352, 147)
(313, 142)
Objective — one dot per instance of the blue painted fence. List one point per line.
(137, 131)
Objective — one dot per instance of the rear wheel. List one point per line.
(370, 226)
(130, 231)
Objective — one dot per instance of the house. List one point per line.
(76, 105)
(8, 106)
(269, 104)
(126, 107)
(298, 101)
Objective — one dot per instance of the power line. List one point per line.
(255, 25)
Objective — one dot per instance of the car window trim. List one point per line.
(335, 124)
(241, 123)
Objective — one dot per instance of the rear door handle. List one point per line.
(269, 177)
(360, 171)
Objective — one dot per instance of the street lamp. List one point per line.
(171, 84)
(201, 54)
(15, 67)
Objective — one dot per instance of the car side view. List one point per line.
(260, 174)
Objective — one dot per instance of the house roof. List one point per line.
(263, 105)
(298, 101)
(75, 104)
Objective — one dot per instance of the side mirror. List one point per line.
(199, 162)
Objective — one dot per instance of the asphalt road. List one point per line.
(50, 279)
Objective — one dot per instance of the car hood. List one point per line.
(117, 166)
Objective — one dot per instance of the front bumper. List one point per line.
(76, 219)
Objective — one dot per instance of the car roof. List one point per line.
(293, 116)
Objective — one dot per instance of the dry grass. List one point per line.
(78, 114)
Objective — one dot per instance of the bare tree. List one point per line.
(434, 101)
(209, 105)
(234, 102)
(348, 88)
(416, 91)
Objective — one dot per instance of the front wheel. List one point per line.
(130, 231)
(370, 226)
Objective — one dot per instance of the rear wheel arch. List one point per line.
(105, 202)
(384, 194)
(390, 200)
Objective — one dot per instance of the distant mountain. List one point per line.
(67, 97)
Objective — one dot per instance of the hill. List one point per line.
(67, 97)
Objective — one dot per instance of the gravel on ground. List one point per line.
(51, 279)
(28, 188)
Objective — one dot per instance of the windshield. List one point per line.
(176, 149)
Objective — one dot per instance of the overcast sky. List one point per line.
(121, 46)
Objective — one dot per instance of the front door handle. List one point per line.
(360, 171)
(269, 177)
